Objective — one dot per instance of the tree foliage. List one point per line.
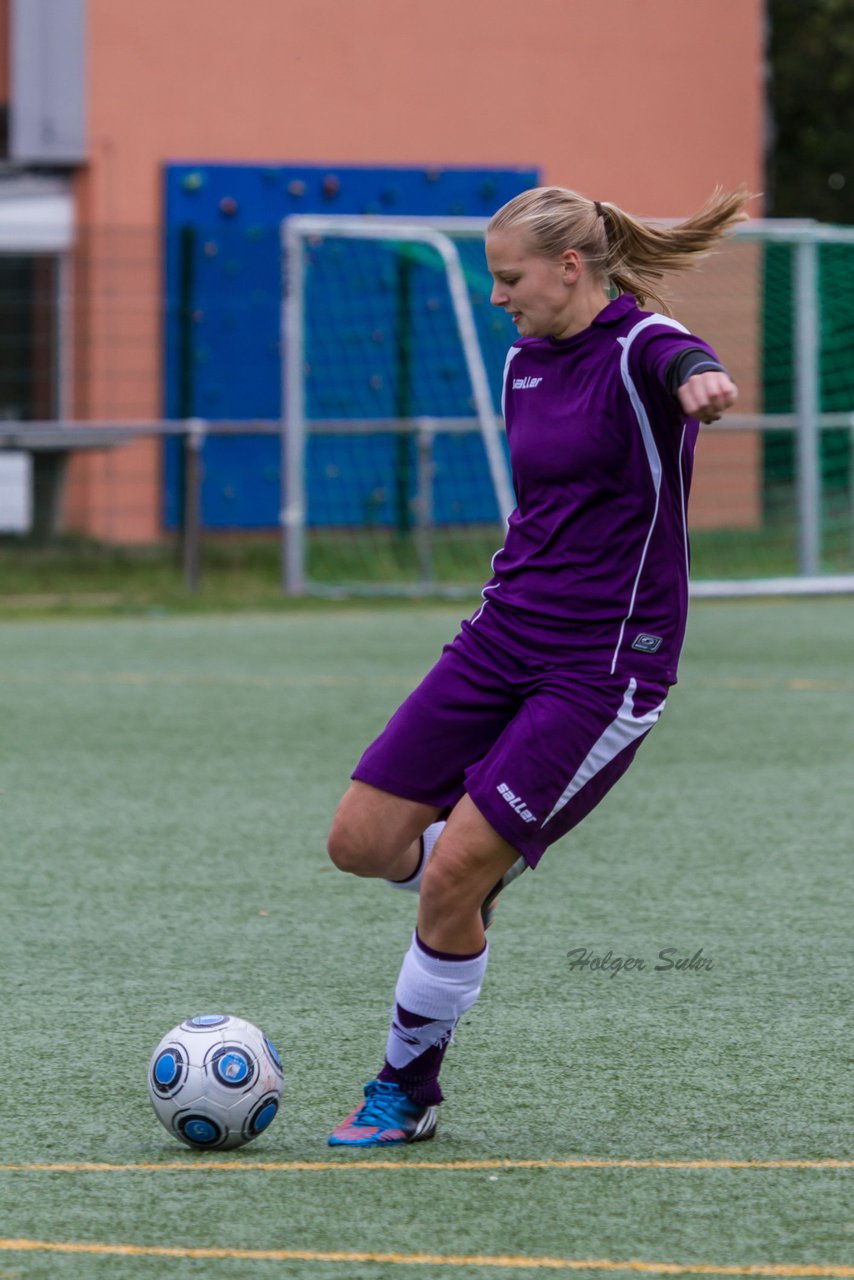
(810, 162)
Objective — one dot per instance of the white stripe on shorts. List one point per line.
(620, 734)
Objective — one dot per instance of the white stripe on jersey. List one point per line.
(511, 355)
(682, 506)
(621, 733)
(652, 454)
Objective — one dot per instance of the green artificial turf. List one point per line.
(167, 783)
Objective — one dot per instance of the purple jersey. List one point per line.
(594, 568)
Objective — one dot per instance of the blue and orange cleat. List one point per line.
(387, 1117)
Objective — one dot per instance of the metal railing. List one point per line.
(60, 440)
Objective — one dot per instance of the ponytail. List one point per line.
(641, 253)
(631, 255)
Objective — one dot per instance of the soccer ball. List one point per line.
(215, 1081)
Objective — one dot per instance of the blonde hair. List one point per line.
(631, 255)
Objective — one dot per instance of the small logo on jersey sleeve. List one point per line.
(644, 643)
(522, 384)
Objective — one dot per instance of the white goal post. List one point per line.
(436, 233)
(708, 299)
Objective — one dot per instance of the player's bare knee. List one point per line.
(357, 848)
(349, 844)
(346, 849)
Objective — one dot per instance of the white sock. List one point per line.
(437, 990)
(428, 842)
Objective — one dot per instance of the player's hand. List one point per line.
(707, 395)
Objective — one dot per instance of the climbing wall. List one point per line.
(222, 355)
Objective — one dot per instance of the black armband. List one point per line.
(685, 364)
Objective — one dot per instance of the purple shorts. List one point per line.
(536, 746)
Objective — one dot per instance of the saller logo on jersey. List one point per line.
(647, 644)
(516, 802)
(519, 384)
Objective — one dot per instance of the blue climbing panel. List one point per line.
(222, 343)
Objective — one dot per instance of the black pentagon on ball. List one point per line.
(232, 1065)
(205, 1021)
(199, 1130)
(273, 1055)
(261, 1116)
(169, 1071)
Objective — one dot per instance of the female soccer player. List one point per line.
(539, 704)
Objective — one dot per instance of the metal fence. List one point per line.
(84, 446)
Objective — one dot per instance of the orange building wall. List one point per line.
(649, 103)
(645, 102)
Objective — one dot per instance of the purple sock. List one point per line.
(419, 1079)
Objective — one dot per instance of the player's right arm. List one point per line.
(689, 369)
(707, 395)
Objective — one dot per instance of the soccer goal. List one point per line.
(395, 466)
(395, 469)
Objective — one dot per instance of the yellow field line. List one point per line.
(508, 1261)
(202, 1164)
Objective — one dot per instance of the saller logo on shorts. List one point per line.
(647, 644)
(521, 384)
(516, 802)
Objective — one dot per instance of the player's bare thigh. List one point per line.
(375, 833)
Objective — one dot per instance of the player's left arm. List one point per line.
(701, 384)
